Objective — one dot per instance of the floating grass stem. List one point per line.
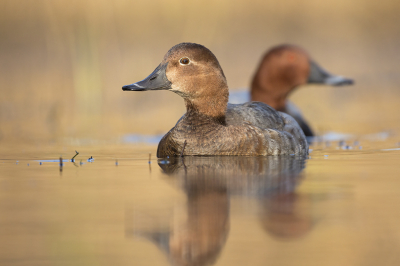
(73, 158)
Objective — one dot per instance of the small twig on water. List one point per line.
(183, 148)
(73, 158)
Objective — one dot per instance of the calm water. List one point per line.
(340, 206)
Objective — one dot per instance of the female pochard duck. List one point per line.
(210, 126)
(282, 69)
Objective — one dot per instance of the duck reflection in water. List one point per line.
(287, 216)
(209, 182)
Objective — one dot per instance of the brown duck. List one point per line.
(210, 126)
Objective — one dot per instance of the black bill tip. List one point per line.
(133, 87)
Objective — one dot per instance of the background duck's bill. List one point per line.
(338, 81)
(155, 81)
(321, 76)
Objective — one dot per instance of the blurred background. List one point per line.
(63, 63)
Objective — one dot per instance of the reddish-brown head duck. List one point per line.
(284, 68)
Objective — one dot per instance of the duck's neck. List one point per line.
(212, 109)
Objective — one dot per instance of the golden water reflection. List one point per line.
(341, 209)
(197, 233)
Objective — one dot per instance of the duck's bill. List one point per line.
(321, 76)
(155, 81)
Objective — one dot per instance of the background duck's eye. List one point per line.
(184, 61)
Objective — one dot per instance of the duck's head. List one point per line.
(193, 72)
(285, 67)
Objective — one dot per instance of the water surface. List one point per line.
(339, 206)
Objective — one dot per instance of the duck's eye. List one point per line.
(184, 61)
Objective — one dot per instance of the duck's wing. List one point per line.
(256, 114)
(278, 128)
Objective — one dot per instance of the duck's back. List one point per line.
(265, 117)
